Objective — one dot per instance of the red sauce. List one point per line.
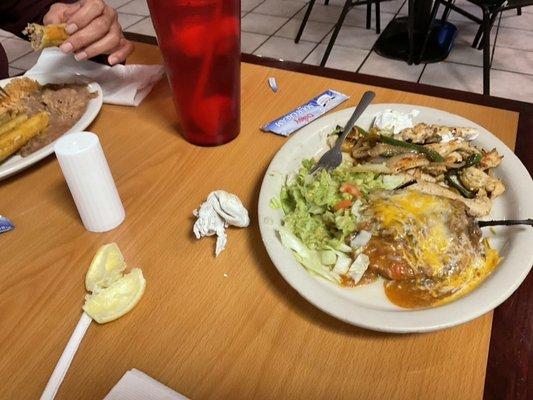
(408, 294)
(347, 281)
(387, 259)
(368, 277)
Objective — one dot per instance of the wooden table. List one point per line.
(210, 328)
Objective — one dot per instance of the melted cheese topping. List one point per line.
(421, 222)
(470, 278)
(433, 234)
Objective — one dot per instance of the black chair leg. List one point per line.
(433, 14)
(378, 17)
(486, 51)
(477, 38)
(368, 14)
(519, 11)
(338, 26)
(492, 20)
(304, 22)
(446, 12)
(410, 31)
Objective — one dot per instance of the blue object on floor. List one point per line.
(446, 36)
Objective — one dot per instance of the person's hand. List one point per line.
(93, 28)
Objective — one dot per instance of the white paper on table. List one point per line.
(125, 85)
(136, 385)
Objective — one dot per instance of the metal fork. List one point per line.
(333, 157)
(506, 222)
(3, 93)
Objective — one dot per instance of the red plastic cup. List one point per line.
(201, 46)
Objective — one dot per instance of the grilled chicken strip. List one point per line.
(478, 207)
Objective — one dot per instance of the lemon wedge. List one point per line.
(117, 299)
(113, 293)
(106, 268)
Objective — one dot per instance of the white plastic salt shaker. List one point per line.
(89, 179)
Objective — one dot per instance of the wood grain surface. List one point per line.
(209, 336)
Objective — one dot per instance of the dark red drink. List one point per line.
(200, 42)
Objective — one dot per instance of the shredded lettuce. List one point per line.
(308, 202)
(275, 203)
(342, 265)
(318, 228)
(310, 259)
(359, 267)
(344, 248)
(356, 209)
(360, 240)
(345, 222)
(328, 257)
(391, 182)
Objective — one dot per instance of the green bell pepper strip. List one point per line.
(474, 159)
(451, 177)
(432, 155)
(453, 180)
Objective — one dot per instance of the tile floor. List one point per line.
(269, 28)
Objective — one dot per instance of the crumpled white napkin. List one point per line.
(220, 210)
(125, 85)
(136, 385)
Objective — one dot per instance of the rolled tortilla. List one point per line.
(13, 140)
(42, 36)
(17, 89)
(12, 123)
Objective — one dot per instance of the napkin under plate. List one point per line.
(125, 85)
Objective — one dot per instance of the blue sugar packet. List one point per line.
(5, 225)
(306, 113)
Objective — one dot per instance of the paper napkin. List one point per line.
(136, 385)
(125, 85)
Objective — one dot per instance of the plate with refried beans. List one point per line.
(37, 111)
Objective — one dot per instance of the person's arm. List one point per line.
(92, 24)
(16, 14)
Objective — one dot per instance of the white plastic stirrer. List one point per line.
(63, 364)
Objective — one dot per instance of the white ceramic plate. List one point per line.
(17, 163)
(367, 306)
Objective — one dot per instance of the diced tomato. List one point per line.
(342, 204)
(350, 189)
(398, 270)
